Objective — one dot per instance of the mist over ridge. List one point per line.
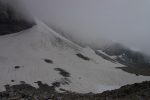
(123, 21)
(96, 22)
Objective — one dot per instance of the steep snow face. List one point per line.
(40, 54)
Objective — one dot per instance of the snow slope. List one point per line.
(29, 48)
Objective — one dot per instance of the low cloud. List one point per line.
(95, 21)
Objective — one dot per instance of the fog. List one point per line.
(19, 7)
(96, 21)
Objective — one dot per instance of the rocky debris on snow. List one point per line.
(62, 81)
(65, 78)
(17, 67)
(48, 61)
(62, 72)
(144, 71)
(105, 56)
(137, 91)
(83, 57)
(12, 80)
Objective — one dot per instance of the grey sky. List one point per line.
(125, 21)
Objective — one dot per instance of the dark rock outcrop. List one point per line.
(12, 21)
(137, 91)
(82, 57)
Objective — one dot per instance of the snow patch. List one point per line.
(28, 49)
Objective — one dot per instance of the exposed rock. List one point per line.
(144, 71)
(137, 91)
(17, 67)
(12, 21)
(83, 57)
(63, 72)
(48, 61)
